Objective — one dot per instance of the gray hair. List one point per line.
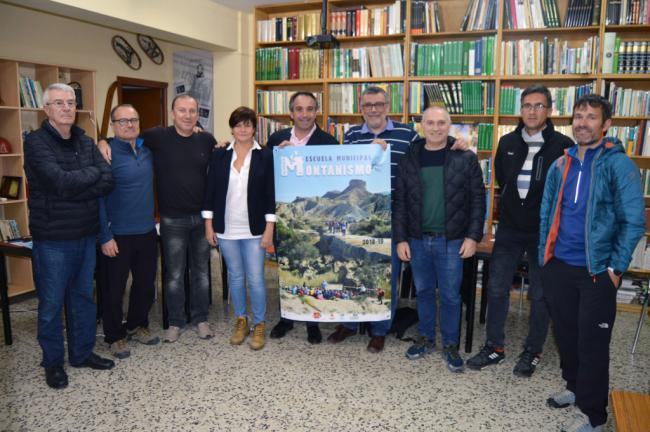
(441, 109)
(56, 86)
(373, 90)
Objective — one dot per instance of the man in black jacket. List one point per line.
(438, 215)
(66, 174)
(521, 163)
(303, 109)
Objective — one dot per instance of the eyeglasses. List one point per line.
(376, 105)
(531, 107)
(125, 121)
(61, 103)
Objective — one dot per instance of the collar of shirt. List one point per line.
(138, 142)
(256, 145)
(247, 160)
(301, 142)
(389, 126)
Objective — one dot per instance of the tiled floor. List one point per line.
(196, 385)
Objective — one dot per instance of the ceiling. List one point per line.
(249, 5)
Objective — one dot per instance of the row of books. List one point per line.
(627, 102)
(365, 62)
(458, 97)
(631, 288)
(563, 98)
(338, 130)
(486, 169)
(9, 230)
(534, 57)
(362, 21)
(582, 13)
(277, 63)
(288, 28)
(635, 139)
(485, 137)
(31, 93)
(624, 12)
(460, 58)
(346, 98)
(480, 15)
(266, 127)
(277, 101)
(625, 57)
(425, 17)
(530, 14)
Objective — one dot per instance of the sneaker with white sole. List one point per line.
(488, 356)
(561, 399)
(143, 336)
(580, 423)
(119, 349)
(172, 334)
(203, 330)
(420, 348)
(526, 364)
(452, 357)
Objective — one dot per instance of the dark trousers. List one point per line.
(509, 247)
(137, 255)
(180, 235)
(583, 309)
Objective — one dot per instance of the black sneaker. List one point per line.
(527, 363)
(486, 357)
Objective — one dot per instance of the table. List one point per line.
(11, 250)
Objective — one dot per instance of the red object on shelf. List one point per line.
(5, 146)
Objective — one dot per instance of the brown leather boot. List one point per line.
(240, 332)
(258, 340)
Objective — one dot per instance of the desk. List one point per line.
(11, 250)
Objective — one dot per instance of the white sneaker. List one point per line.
(172, 334)
(203, 330)
(580, 423)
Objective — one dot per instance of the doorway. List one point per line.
(149, 98)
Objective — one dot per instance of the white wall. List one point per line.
(41, 37)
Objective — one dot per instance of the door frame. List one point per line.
(126, 81)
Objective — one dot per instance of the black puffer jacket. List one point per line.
(65, 178)
(514, 212)
(464, 195)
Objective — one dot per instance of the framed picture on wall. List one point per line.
(10, 187)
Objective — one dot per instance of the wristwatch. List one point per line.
(616, 272)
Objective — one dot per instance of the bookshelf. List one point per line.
(15, 120)
(452, 13)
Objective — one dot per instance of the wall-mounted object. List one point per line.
(5, 146)
(78, 95)
(126, 52)
(10, 187)
(151, 49)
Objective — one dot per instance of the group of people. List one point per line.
(575, 210)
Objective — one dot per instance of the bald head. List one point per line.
(436, 123)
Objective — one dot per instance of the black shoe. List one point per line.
(56, 377)
(313, 334)
(281, 329)
(486, 357)
(95, 362)
(527, 364)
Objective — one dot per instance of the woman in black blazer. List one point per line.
(239, 213)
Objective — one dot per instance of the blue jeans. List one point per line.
(435, 261)
(63, 275)
(245, 263)
(509, 246)
(381, 328)
(178, 236)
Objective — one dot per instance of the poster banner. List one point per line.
(193, 76)
(334, 232)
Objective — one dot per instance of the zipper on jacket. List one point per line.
(577, 192)
(587, 216)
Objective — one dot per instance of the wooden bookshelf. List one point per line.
(452, 13)
(14, 121)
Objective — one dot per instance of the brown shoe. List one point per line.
(240, 332)
(258, 340)
(376, 344)
(340, 334)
